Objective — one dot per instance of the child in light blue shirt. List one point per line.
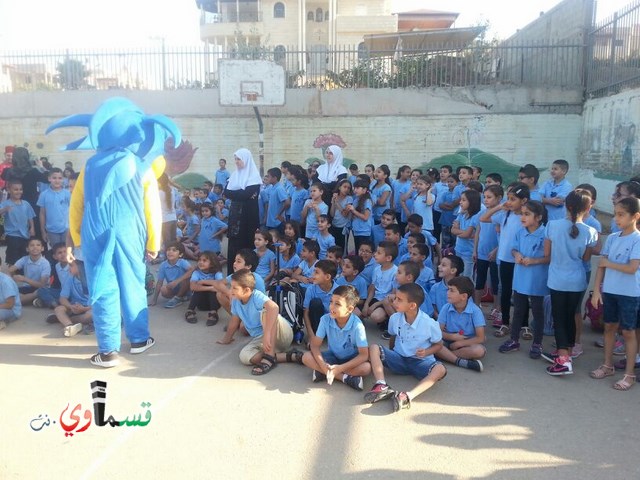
(555, 190)
(313, 208)
(346, 358)
(324, 238)
(571, 243)
(18, 222)
(36, 271)
(271, 334)
(203, 289)
(318, 295)
(10, 301)
(176, 272)
(382, 283)
(414, 338)
(278, 201)
(304, 273)
(54, 209)
(529, 278)
(212, 230)
(462, 324)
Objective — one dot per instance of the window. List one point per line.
(279, 54)
(278, 10)
(310, 17)
(326, 16)
(363, 52)
(319, 15)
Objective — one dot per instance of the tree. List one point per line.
(72, 74)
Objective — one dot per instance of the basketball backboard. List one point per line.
(251, 82)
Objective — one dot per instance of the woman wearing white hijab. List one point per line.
(331, 172)
(243, 189)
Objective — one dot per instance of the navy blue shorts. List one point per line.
(331, 358)
(418, 367)
(621, 309)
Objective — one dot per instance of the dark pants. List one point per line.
(16, 249)
(358, 241)
(338, 235)
(316, 311)
(483, 268)
(437, 228)
(563, 310)
(448, 239)
(205, 301)
(521, 315)
(401, 224)
(506, 282)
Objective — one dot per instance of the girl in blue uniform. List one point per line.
(464, 228)
(361, 212)
(529, 277)
(509, 224)
(571, 243)
(620, 290)
(381, 192)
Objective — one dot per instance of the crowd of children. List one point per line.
(427, 248)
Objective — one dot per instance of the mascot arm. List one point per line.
(76, 209)
(152, 211)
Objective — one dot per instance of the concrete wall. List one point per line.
(378, 126)
(567, 23)
(609, 149)
(569, 20)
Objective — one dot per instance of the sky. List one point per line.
(43, 24)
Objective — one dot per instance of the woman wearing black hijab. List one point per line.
(24, 171)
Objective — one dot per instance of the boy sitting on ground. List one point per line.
(74, 310)
(351, 268)
(245, 258)
(36, 271)
(303, 275)
(346, 358)
(462, 324)
(49, 296)
(259, 314)
(177, 273)
(381, 283)
(317, 297)
(451, 266)
(407, 273)
(415, 338)
(10, 306)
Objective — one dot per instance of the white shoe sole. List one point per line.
(72, 330)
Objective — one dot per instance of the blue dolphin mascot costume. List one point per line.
(115, 215)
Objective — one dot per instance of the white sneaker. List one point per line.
(72, 330)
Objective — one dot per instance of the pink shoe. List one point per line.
(496, 318)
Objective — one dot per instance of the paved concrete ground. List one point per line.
(212, 419)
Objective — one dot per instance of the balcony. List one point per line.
(229, 23)
(231, 17)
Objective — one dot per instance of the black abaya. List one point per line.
(243, 221)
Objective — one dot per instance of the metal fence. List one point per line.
(614, 59)
(168, 68)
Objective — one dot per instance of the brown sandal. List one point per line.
(602, 371)
(625, 383)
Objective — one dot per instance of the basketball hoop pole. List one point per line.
(261, 136)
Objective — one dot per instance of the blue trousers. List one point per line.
(115, 274)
